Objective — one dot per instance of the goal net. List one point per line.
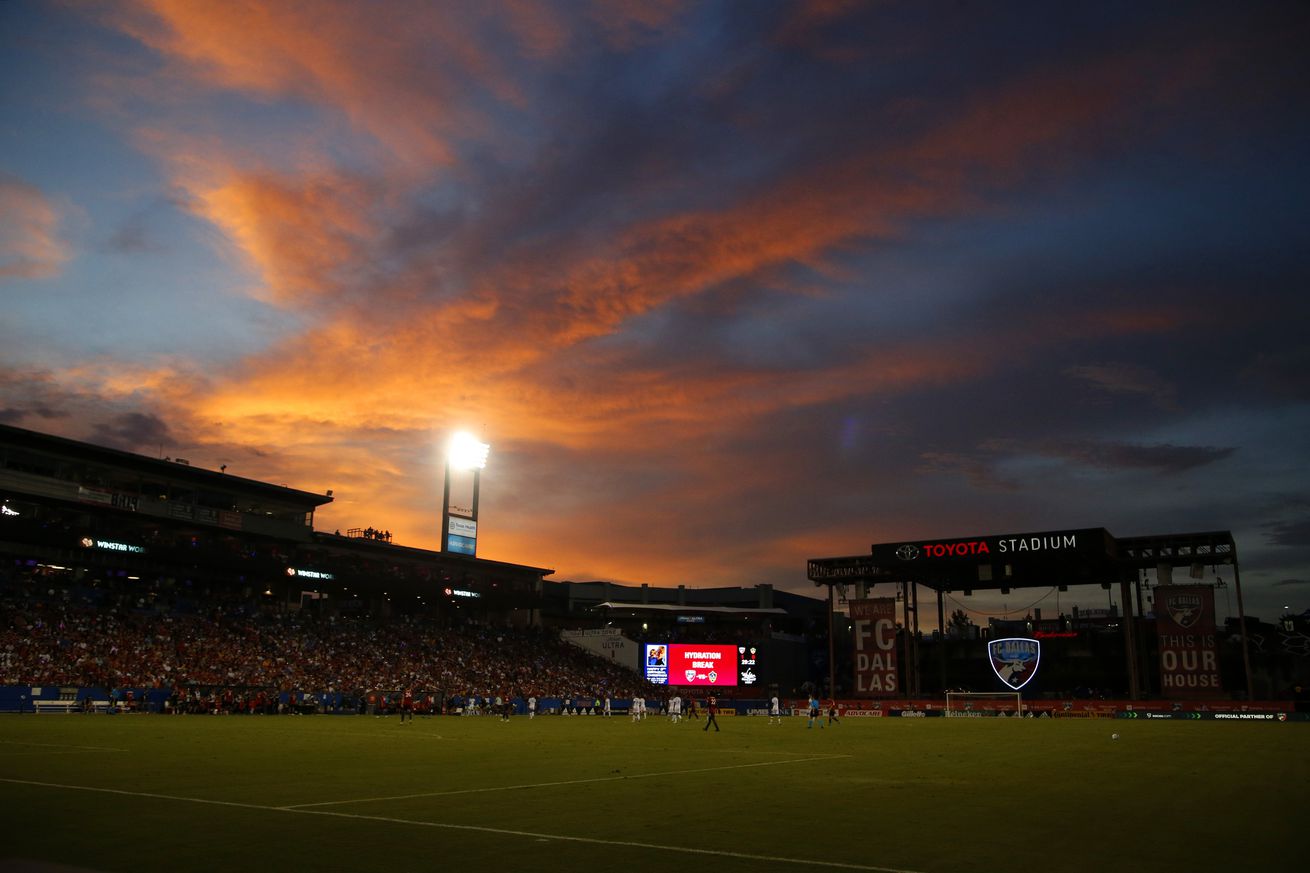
(983, 703)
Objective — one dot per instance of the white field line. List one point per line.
(123, 793)
(60, 746)
(43, 753)
(296, 806)
(687, 850)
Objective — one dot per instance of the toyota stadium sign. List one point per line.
(1092, 542)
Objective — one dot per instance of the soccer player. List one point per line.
(775, 710)
(407, 706)
(607, 706)
(832, 711)
(675, 709)
(532, 707)
(710, 709)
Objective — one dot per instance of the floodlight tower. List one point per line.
(465, 458)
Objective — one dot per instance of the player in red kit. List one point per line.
(711, 709)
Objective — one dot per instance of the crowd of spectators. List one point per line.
(117, 637)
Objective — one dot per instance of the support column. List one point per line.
(832, 646)
(918, 685)
(941, 639)
(1241, 618)
(1144, 671)
(907, 644)
(1129, 633)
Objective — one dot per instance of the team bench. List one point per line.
(67, 706)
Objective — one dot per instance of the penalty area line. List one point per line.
(594, 841)
(592, 780)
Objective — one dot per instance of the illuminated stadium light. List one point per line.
(465, 452)
(465, 458)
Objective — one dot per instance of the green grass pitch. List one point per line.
(186, 793)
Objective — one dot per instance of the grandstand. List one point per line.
(174, 583)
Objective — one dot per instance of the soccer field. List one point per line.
(931, 795)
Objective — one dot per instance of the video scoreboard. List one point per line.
(700, 664)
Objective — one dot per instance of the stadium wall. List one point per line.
(47, 699)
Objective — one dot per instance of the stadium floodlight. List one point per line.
(465, 452)
(466, 455)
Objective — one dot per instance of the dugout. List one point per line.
(1008, 562)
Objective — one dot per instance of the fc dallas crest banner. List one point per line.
(1014, 660)
(874, 623)
(1184, 623)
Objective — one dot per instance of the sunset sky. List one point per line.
(726, 286)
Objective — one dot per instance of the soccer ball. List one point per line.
(1114, 736)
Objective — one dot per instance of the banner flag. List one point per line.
(874, 624)
(1184, 625)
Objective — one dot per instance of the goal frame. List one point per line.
(955, 701)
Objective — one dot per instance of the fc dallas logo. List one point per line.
(1014, 660)
(1184, 609)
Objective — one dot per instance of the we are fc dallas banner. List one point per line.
(874, 624)
(1184, 625)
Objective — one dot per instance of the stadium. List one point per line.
(185, 659)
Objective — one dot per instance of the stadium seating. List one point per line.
(168, 646)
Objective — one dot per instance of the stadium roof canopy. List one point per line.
(65, 451)
(673, 607)
(1024, 560)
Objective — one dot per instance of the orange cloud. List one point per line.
(409, 74)
(307, 239)
(30, 245)
(378, 69)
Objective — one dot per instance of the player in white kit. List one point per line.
(675, 709)
(774, 711)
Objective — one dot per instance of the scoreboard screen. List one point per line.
(700, 664)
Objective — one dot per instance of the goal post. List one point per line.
(983, 703)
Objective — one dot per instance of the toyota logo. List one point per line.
(907, 552)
